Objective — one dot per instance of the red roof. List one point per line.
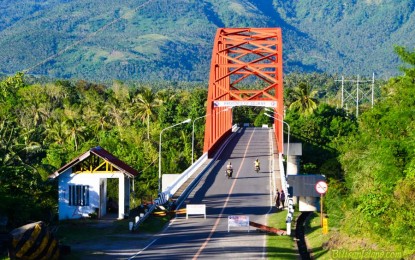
(105, 155)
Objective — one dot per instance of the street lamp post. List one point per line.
(184, 122)
(288, 126)
(193, 135)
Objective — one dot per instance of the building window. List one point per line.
(78, 195)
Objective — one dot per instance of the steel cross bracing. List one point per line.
(246, 67)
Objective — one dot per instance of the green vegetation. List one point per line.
(368, 160)
(378, 164)
(370, 196)
(172, 40)
(281, 247)
(316, 240)
(43, 126)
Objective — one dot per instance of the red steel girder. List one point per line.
(240, 55)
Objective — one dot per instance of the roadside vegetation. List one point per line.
(284, 246)
(369, 164)
(368, 161)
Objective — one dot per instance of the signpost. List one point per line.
(321, 188)
(238, 221)
(195, 209)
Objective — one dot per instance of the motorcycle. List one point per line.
(257, 168)
(229, 173)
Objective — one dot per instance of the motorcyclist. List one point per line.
(257, 164)
(229, 166)
(229, 169)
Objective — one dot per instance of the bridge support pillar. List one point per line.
(293, 162)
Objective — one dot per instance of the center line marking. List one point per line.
(224, 205)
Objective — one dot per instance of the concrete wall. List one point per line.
(95, 182)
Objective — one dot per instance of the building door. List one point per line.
(102, 198)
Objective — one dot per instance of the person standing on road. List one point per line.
(277, 200)
(282, 197)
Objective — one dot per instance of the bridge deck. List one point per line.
(204, 167)
(182, 188)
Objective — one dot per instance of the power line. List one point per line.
(364, 94)
(87, 37)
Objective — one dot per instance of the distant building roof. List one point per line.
(304, 185)
(102, 153)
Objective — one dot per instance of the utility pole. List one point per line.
(358, 93)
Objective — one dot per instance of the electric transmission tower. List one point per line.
(358, 92)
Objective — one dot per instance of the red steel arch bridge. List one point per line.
(244, 57)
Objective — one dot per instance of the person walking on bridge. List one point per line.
(282, 199)
(277, 200)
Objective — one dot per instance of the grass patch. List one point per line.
(154, 224)
(339, 243)
(316, 238)
(281, 247)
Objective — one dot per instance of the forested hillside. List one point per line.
(375, 198)
(172, 40)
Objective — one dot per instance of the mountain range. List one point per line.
(172, 40)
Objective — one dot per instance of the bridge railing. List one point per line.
(181, 179)
(284, 187)
(196, 180)
(177, 180)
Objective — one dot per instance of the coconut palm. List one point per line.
(73, 126)
(304, 100)
(146, 104)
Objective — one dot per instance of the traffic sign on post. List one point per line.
(321, 187)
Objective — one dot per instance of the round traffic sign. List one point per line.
(321, 187)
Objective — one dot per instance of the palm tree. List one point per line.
(116, 113)
(17, 145)
(146, 103)
(94, 111)
(35, 107)
(168, 98)
(54, 133)
(303, 99)
(73, 125)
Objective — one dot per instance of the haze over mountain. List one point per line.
(172, 39)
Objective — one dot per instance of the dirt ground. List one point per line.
(104, 240)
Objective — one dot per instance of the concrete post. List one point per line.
(121, 196)
(293, 165)
(293, 162)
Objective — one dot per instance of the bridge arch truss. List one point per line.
(246, 70)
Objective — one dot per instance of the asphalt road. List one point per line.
(247, 194)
